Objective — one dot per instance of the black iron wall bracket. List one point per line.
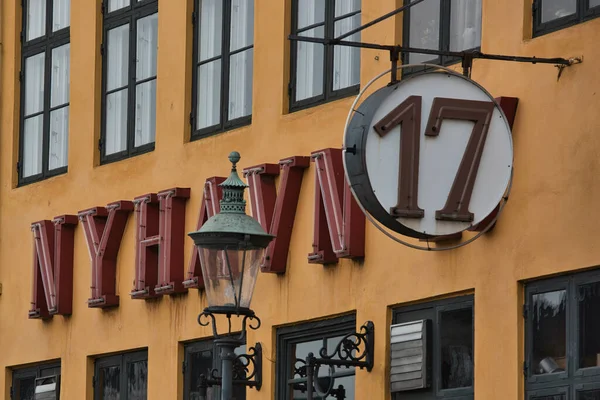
(395, 51)
(247, 371)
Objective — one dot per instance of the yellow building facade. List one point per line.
(547, 228)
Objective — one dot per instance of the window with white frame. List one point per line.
(44, 89)
(223, 65)
(129, 51)
(322, 73)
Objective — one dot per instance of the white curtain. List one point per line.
(346, 60)
(465, 24)
(34, 104)
(425, 30)
(114, 5)
(209, 74)
(36, 18)
(145, 94)
(241, 64)
(309, 59)
(61, 14)
(117, 78)
(59, 118)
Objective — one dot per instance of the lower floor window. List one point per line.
(37, 382)
(121, 377)
(562, 339)
(201, 358)
(294, 343)
(443, 366)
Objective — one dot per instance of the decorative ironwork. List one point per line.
(355, 349)
(249, 320)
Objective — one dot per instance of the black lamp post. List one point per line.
(231, 246)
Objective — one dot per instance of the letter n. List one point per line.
(53, 267)
(276, 213)
(339, 228)
(159, 243)
(209, 206)
(103, 229)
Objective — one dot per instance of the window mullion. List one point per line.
(328, 59)
(445, 28)
(46, 122)
(131, 96)
(225, 62)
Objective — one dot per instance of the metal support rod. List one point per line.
(227, 357)
(310, 372)
(394, 57)
(377, 20)
(458, 54)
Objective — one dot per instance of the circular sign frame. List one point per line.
(364, 120)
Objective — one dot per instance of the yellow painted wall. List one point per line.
(549, 226)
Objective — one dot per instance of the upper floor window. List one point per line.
(446, 25)
(45, 52)
(552, 15)
(201, 358)
(129, 78)
(322, 73)
(36, 382)
(123, 376)
(450, 358)
(562, 338)
(223, 64)
(293, 345)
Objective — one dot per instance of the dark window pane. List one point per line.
(456, 340)
(589, 395)
(109, 382)
(424, 30)
(137, 380)
(200, 362)
(550, 397)
(554, 9)
(589, 325)
(549, 332)
(25, 389)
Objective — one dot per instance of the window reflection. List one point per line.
(549, 332)
(589, 395)
(456, 335)
(588, 297)
(110, 388)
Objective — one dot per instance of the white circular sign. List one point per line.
(436, 152)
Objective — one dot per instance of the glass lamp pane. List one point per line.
(36, 19)
(424, 30)
(230, 275)
(588, 298)
(555, 9)
(549, 332)
(61, 14)
(465, 24)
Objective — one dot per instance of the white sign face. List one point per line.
(437, 153)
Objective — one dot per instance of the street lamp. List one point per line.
(231, 247)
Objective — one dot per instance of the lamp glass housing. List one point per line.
(230, 273)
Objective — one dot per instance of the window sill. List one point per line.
(124, 155)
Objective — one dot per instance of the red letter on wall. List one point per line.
(276, 214)
(159, 243)
(104, 228)
(53, 267)
(339, 230)
(209, 207)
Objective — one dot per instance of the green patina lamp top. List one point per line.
(233, 220)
